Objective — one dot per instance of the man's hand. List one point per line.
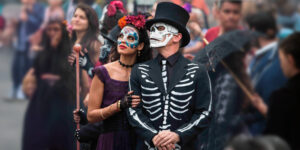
(168, 147)
(165, 138)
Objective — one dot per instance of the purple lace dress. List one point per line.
(116, 134)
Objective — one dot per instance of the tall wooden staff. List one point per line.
(77, 49)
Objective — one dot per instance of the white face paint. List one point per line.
(161, 34)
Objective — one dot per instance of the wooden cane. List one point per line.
(235, 77)
(77, 49)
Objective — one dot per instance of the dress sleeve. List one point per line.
(101, 73)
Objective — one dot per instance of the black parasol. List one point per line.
(221, 47)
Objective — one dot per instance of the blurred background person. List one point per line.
(48, 121)
(85, 32)
(282, 119)
(2, 26)
(264, 68)
(53, 11)
(31, 18)
(228, 14)
(195, 43)
(70, 6)
(229, 102)
(201, 4)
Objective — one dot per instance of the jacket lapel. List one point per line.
(178, 72)
(155, 75)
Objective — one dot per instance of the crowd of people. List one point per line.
(163, 78)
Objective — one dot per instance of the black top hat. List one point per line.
(174, 15)
(112, 36)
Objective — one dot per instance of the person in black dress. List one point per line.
(48, 120)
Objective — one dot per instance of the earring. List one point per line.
(139, 53)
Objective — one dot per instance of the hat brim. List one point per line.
(181, 29)
(108, 38)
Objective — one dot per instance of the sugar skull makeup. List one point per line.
(161, 34)
(130, 36)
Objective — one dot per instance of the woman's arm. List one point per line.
(95, 113)
(94, 53)
(85, 85)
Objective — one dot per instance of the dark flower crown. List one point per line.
(138, 21)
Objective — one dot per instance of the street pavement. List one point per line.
(11, 111)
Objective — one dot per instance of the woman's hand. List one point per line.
(259, 104)
(135, 99)
(129, 100)
(76, 116)
(72, 57)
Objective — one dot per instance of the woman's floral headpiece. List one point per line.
(138, 21)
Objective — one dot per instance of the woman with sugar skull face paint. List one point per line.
(109, 96)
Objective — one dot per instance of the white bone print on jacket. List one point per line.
(161, 106)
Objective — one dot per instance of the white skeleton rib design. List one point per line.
(172, 104)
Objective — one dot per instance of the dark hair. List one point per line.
(145, 53)
(221, 2)
(57, 58)
(110, 21)
(290, 45)
(88, 2)
(92, 32)
(263, 22)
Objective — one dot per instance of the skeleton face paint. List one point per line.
(130, 36)
(161, 34)
(105, 50)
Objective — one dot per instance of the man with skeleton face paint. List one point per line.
(161, 34)
(175, 93)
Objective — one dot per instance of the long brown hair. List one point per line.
(92, 32)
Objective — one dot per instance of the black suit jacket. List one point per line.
(185, 108)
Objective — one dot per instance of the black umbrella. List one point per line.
(222, 47)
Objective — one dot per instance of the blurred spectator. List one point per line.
(85, 32)
(288, 17)
(283, 119)
(111, 15)
(228, 13)
(2, 23)
(264, 68)
(155, 5)
(31, 17)
(48, 121)
(70, 5)
(195, 44)
(53, 11)
(227, 95)
(1, 7)
(198, 16)
(2, 26)
(243, 142)
(195, 3)
(229, 101)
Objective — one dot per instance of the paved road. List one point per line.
(11, 111)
